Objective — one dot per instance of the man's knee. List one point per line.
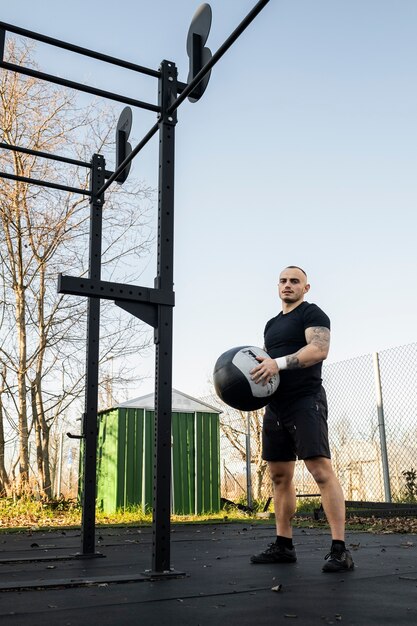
(281, 474)
(321, 469)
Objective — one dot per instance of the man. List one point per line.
(295, 422)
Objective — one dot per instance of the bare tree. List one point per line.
(233, 425)
(44, 232)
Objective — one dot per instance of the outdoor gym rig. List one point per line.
(152, 305)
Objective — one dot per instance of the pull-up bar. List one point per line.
(78, 49)
(45, 183)
(79, 86)
(53, 157)
(45, 155)
(69, 83)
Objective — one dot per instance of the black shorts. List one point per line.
(296, 429)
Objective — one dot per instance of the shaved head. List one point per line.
(296, 267)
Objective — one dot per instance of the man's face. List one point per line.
(292, 285)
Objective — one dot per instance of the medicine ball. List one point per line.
(233, 383)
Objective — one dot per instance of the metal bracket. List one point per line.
(145, 311)
(113, 291)
(71, 436)
(168, 92)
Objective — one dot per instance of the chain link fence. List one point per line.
(372, 429)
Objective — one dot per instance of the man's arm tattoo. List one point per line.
(319, 336)
(293, 362)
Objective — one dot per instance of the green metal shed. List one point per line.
(125, 455)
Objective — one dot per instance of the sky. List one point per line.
(302, 151)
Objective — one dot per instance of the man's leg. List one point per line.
(339, 558)
(284, 495)
(332, 496)
(282, 551)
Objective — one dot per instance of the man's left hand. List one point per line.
(263, 372)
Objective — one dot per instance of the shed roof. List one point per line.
(181, 403)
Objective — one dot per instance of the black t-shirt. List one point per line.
(285, 334)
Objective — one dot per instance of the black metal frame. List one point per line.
(90, 422)
(153, 306)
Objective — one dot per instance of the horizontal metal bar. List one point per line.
(73, 85)
(127, 160)
(45, 155)
(308, 495)
(79, 50)
(59, 583)
(361, 504)
(44, 183)
(39, 557)
(113, 291)
(380, 513)
(217, 55)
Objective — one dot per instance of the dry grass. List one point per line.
(29, 514)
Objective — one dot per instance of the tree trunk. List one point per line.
(38, 400)
(42, 441)
(260, 477)
(38, 440)
(4, 479)
(21, 391)
(45, 429)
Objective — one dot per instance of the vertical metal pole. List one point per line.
(381, 425)
(59, 474)
(163, 333)
(2, 43)
(248, 462)
(90, 425)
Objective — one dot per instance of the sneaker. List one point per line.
(275, 554)
(338, 561)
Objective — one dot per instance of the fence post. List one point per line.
(59, 473)
(248, 462)
(381, 426)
